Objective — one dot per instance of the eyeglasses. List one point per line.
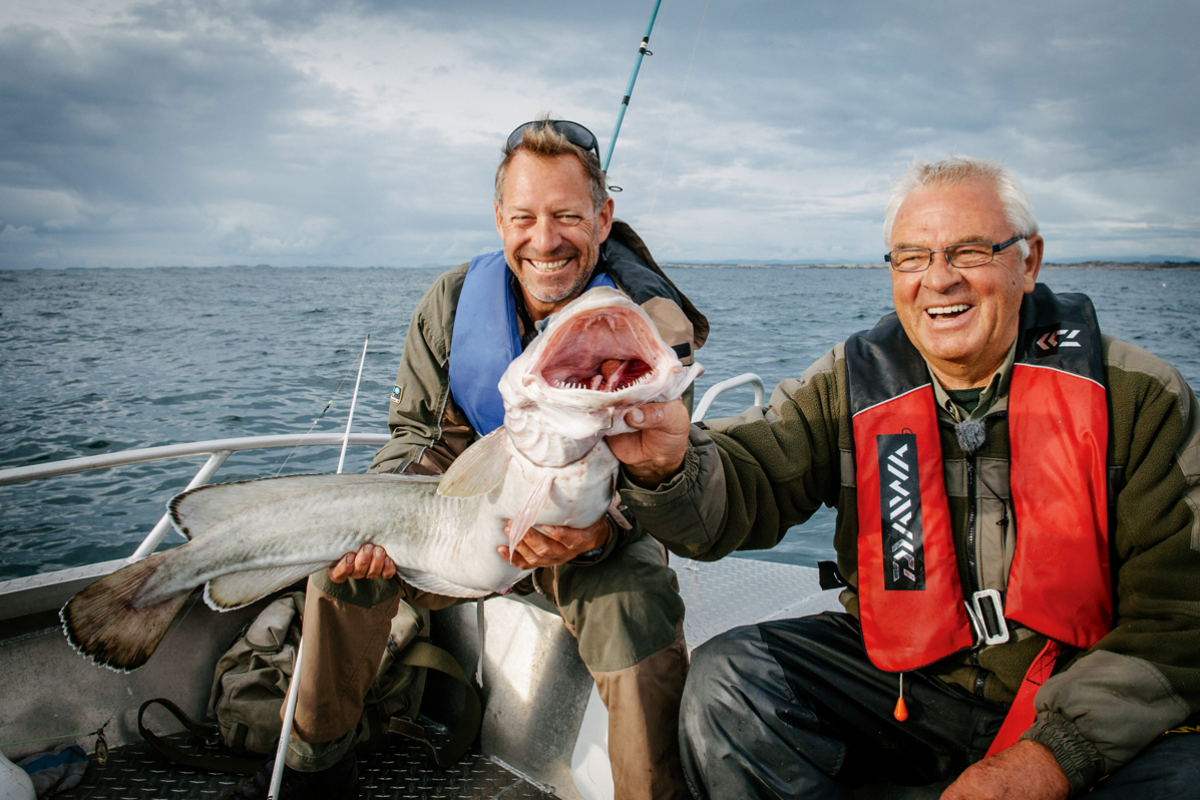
(962, 256)
(575, 133)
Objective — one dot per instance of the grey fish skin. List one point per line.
(293, 523)
(250, 539)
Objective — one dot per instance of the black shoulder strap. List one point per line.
(881, 363)
(207, 733)
(423, 654)
(624, 237)
(1061, 331)
(416, 654)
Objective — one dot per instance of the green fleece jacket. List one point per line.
(748, 479)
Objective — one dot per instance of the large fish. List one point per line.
(549, 464)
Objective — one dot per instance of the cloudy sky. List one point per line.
(300, 132)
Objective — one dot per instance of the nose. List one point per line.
(941, 276)
(545, 236)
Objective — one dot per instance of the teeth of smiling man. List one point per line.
(948, 309)
(548, 266)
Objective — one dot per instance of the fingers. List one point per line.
(670, 417)
(655, 450)
(341, 571)
(549, 545)
(369, 562)
(539, 550)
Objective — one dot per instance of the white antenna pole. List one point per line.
(289, 715)
(353, 401)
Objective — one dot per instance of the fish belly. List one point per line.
(579, 493)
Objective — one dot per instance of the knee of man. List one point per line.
(621, 630)
(717, 666)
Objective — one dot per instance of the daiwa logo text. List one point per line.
(1048, 341)
(900, 509)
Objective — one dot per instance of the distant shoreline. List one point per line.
(1187, 266)
(1176, 266)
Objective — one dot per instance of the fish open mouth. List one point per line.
(606, 351)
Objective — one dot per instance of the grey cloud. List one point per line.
(201, 125)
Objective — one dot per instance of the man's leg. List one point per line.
(628, 617)
(1167, 769)
(795, 709)
(345, 629)
(346, 626)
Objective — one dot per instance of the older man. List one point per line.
(612, 586)
(1018, 536)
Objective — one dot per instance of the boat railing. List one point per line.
(720, 388)
(59, 583)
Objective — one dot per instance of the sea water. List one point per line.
(98, 361)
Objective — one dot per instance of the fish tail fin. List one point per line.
(105, 623)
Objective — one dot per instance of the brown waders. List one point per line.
(625, 612)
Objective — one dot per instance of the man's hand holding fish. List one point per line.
(367, 563)
(654, 450)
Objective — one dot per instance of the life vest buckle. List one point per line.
(986, 610)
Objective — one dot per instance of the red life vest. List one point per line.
(911, 601)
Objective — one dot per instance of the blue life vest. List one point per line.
(487, 338)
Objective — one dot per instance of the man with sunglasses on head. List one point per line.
(611, 585)
(1018, 536)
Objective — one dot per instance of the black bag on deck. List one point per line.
(250, 685)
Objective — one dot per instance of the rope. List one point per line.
(98, 733)
(48, 739)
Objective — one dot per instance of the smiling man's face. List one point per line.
(551, 230)
(962, 321)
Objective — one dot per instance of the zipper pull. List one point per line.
(901, 712)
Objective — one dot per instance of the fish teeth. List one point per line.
(571, 385)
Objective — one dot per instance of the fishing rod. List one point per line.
(320, 416)
(637, 65)
(289, 716)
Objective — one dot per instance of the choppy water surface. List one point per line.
(98, 361)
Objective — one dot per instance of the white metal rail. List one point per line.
(217, 451)
(724, 386)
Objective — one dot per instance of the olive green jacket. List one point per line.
(748, 479)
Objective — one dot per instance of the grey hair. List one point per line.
(1018, 211)
(542, 141)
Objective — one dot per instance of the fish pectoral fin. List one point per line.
(479, 469)
(237, 589)
(614, 511)
(533, 506)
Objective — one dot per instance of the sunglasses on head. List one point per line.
(575, 133)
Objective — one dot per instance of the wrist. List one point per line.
(603, 543)
(651, 476)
